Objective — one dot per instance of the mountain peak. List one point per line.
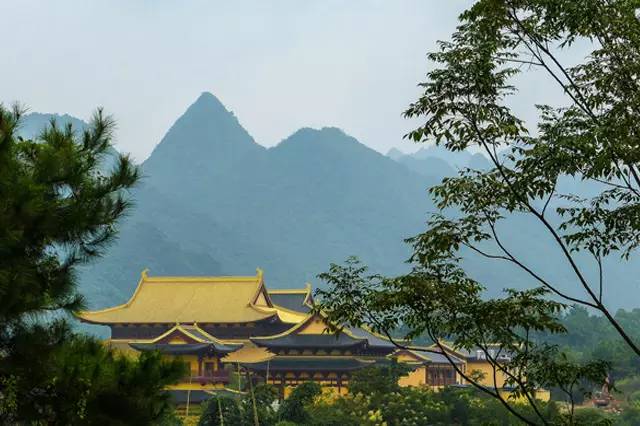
(395, 154)
(207, 103)
(206, 136)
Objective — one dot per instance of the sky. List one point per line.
(278, 65)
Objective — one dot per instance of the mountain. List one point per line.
(395, 154)
(457, 159)
(436, 162)
(433, 167)
(214, 202)
(32, 125)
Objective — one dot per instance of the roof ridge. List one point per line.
(304, 322)
(287, 331)
(202, 278)
(143, 277)
(211, 336)
(288, 291)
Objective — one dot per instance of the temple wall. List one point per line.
(487, 370)
(416, 377)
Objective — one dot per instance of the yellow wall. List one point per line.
(192, 360)
(487, 370)
(414, 378)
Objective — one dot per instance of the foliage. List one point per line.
(293, 408)
(593, 337)
(593, 139)
(379, 379)
(60, 211)
(410, 406)
(240, 410)
(265, 398)
(630, 415)
(350, 410)
(454, 310)
(592, 416)
(221, 410)
(465, 103)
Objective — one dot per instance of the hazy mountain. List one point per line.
(437, 162)
(395, 154)
(433, 167)
(33, 124)
(457, 160)
(213, 201)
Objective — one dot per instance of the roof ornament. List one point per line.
(144, 274)
(259, 274)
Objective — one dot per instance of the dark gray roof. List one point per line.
(184, 349)
(309, 341)
(437, 358)
(374, 341)
(196, 332)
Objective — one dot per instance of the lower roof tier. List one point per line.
(311, 341)
(310, 364)
(186, 349)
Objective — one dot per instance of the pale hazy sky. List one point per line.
(279, 65)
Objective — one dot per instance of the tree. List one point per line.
(592, 140)
(59, 211)
(378, 379)
(454, 310)
(263, 399)
(220, 411)
(293, 408)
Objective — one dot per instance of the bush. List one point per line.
(221, 408)
(293, 408)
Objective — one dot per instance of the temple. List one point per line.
(230, 328)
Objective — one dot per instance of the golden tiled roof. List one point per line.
(191, 300)
(249, 353)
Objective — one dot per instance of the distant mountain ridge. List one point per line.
(215, 202)
(437, 162)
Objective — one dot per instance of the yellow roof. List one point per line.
(248, 354)
(191, 300)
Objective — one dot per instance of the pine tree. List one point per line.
(59, 210)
